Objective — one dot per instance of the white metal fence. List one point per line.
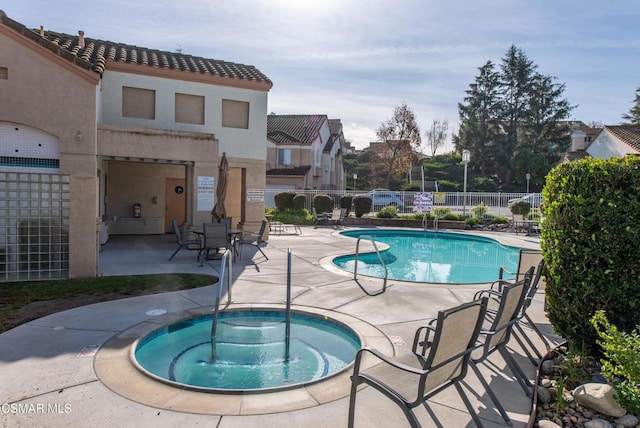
(497, 203)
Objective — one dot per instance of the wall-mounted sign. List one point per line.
(205, 181)
(255, 195)
(205, 199)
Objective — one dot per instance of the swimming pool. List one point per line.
(434, 257)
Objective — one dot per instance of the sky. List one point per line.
(356, 60)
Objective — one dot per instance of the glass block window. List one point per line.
(34, 226)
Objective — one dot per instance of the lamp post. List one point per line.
(528, 177)
(355, 177)
(466, 157)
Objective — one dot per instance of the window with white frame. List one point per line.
(284, 156)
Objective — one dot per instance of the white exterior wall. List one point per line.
(606, 146)
(238, 143)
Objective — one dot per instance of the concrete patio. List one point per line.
(68, 369)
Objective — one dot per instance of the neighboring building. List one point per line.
(615, 142)
(122, 125)
(581, 137)
(349, 149)
(607, 142)
(304, 152)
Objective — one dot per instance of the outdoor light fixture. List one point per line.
(355, 177)
(466, 157)
(528, 177)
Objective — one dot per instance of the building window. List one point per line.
(138, 103)
(284, 156)
(4, 73)
(235, 114)
(190, 109)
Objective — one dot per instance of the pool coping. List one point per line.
(115, 369)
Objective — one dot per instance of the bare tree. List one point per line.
(437, 135)
(399, 146)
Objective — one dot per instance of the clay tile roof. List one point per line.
(95, 53)
(573, 156)
(293, 171)
(629, 134)
(52, 45)
(294, 129)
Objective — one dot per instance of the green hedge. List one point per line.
(323, 204)
(299, 202)
(362, 205)
(284, 201)
(346, 201)
(590, 241)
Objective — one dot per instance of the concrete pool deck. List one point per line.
(51, 369)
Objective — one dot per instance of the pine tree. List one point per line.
(633, 117)
(521, 129)
(479, 118)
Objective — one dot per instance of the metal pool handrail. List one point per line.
(226, 259)
(384, 265)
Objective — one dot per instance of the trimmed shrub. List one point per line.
(500, 219)
(474, 221)
(441, 212)
(590, 241)
(479, 211)
(520, 207)
(284, 201)
(322, 204)
(388, 212)
(346, 201)
(299, 202)
(362, 205)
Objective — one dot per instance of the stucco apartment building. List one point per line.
(125, 139)
(305, 151)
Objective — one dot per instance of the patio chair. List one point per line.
(496, 333)
(254, 240)
(216, 236)
(440, 357)
(337, 216)
(318, 217)
(523, 318)
(184, 239)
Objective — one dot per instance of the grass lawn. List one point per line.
(21, 302)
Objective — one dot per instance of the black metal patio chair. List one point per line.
(183, 240)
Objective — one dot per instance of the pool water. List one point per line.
(434, 257)
(251, 350)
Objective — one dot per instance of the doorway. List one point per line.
(175, 202)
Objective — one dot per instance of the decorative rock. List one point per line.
(546, 383)
(543, 395)
(547, 424)
(627, 421)
(547, 367)
(598, 423)
(599, 397)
